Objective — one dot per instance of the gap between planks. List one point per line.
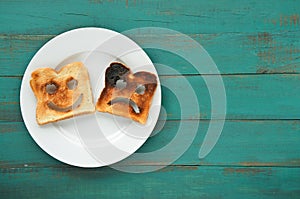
(191, 75)
(203, 120)
(49, 36)
(187, 166)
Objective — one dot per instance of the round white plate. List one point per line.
(97, 139)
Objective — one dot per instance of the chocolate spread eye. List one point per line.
(72, 84)
(51, 88)
(140, 89)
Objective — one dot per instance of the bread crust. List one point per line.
(118, 101)
(63, 96)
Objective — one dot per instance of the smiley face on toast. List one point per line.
(127, 94)
(61, 94)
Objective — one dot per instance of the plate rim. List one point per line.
(96, 164)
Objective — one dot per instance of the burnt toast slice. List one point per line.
(127, 94)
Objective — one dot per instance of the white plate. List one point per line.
(97, 139)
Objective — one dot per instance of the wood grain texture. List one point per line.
(242, 143)
(188, 17)
(248, 97)
(256, 47)
(172, 182)
(253, 53)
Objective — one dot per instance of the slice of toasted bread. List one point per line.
(61, 94)
(127, 94)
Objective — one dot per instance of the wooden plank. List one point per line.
(242, 143)
(193, 17)
(243, 37)
(248, 97)
(233, 53)
(171, 182)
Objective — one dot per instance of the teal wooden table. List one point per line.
(256, 46)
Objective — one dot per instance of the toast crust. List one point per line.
(127, 101)
(59, 104)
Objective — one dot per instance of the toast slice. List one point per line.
(61, 94)
(127, 94)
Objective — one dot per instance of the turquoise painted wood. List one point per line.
(253, 52)
(248, 97)
(266, 143)
(172, 182)
(55, 17)
(256, 47)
